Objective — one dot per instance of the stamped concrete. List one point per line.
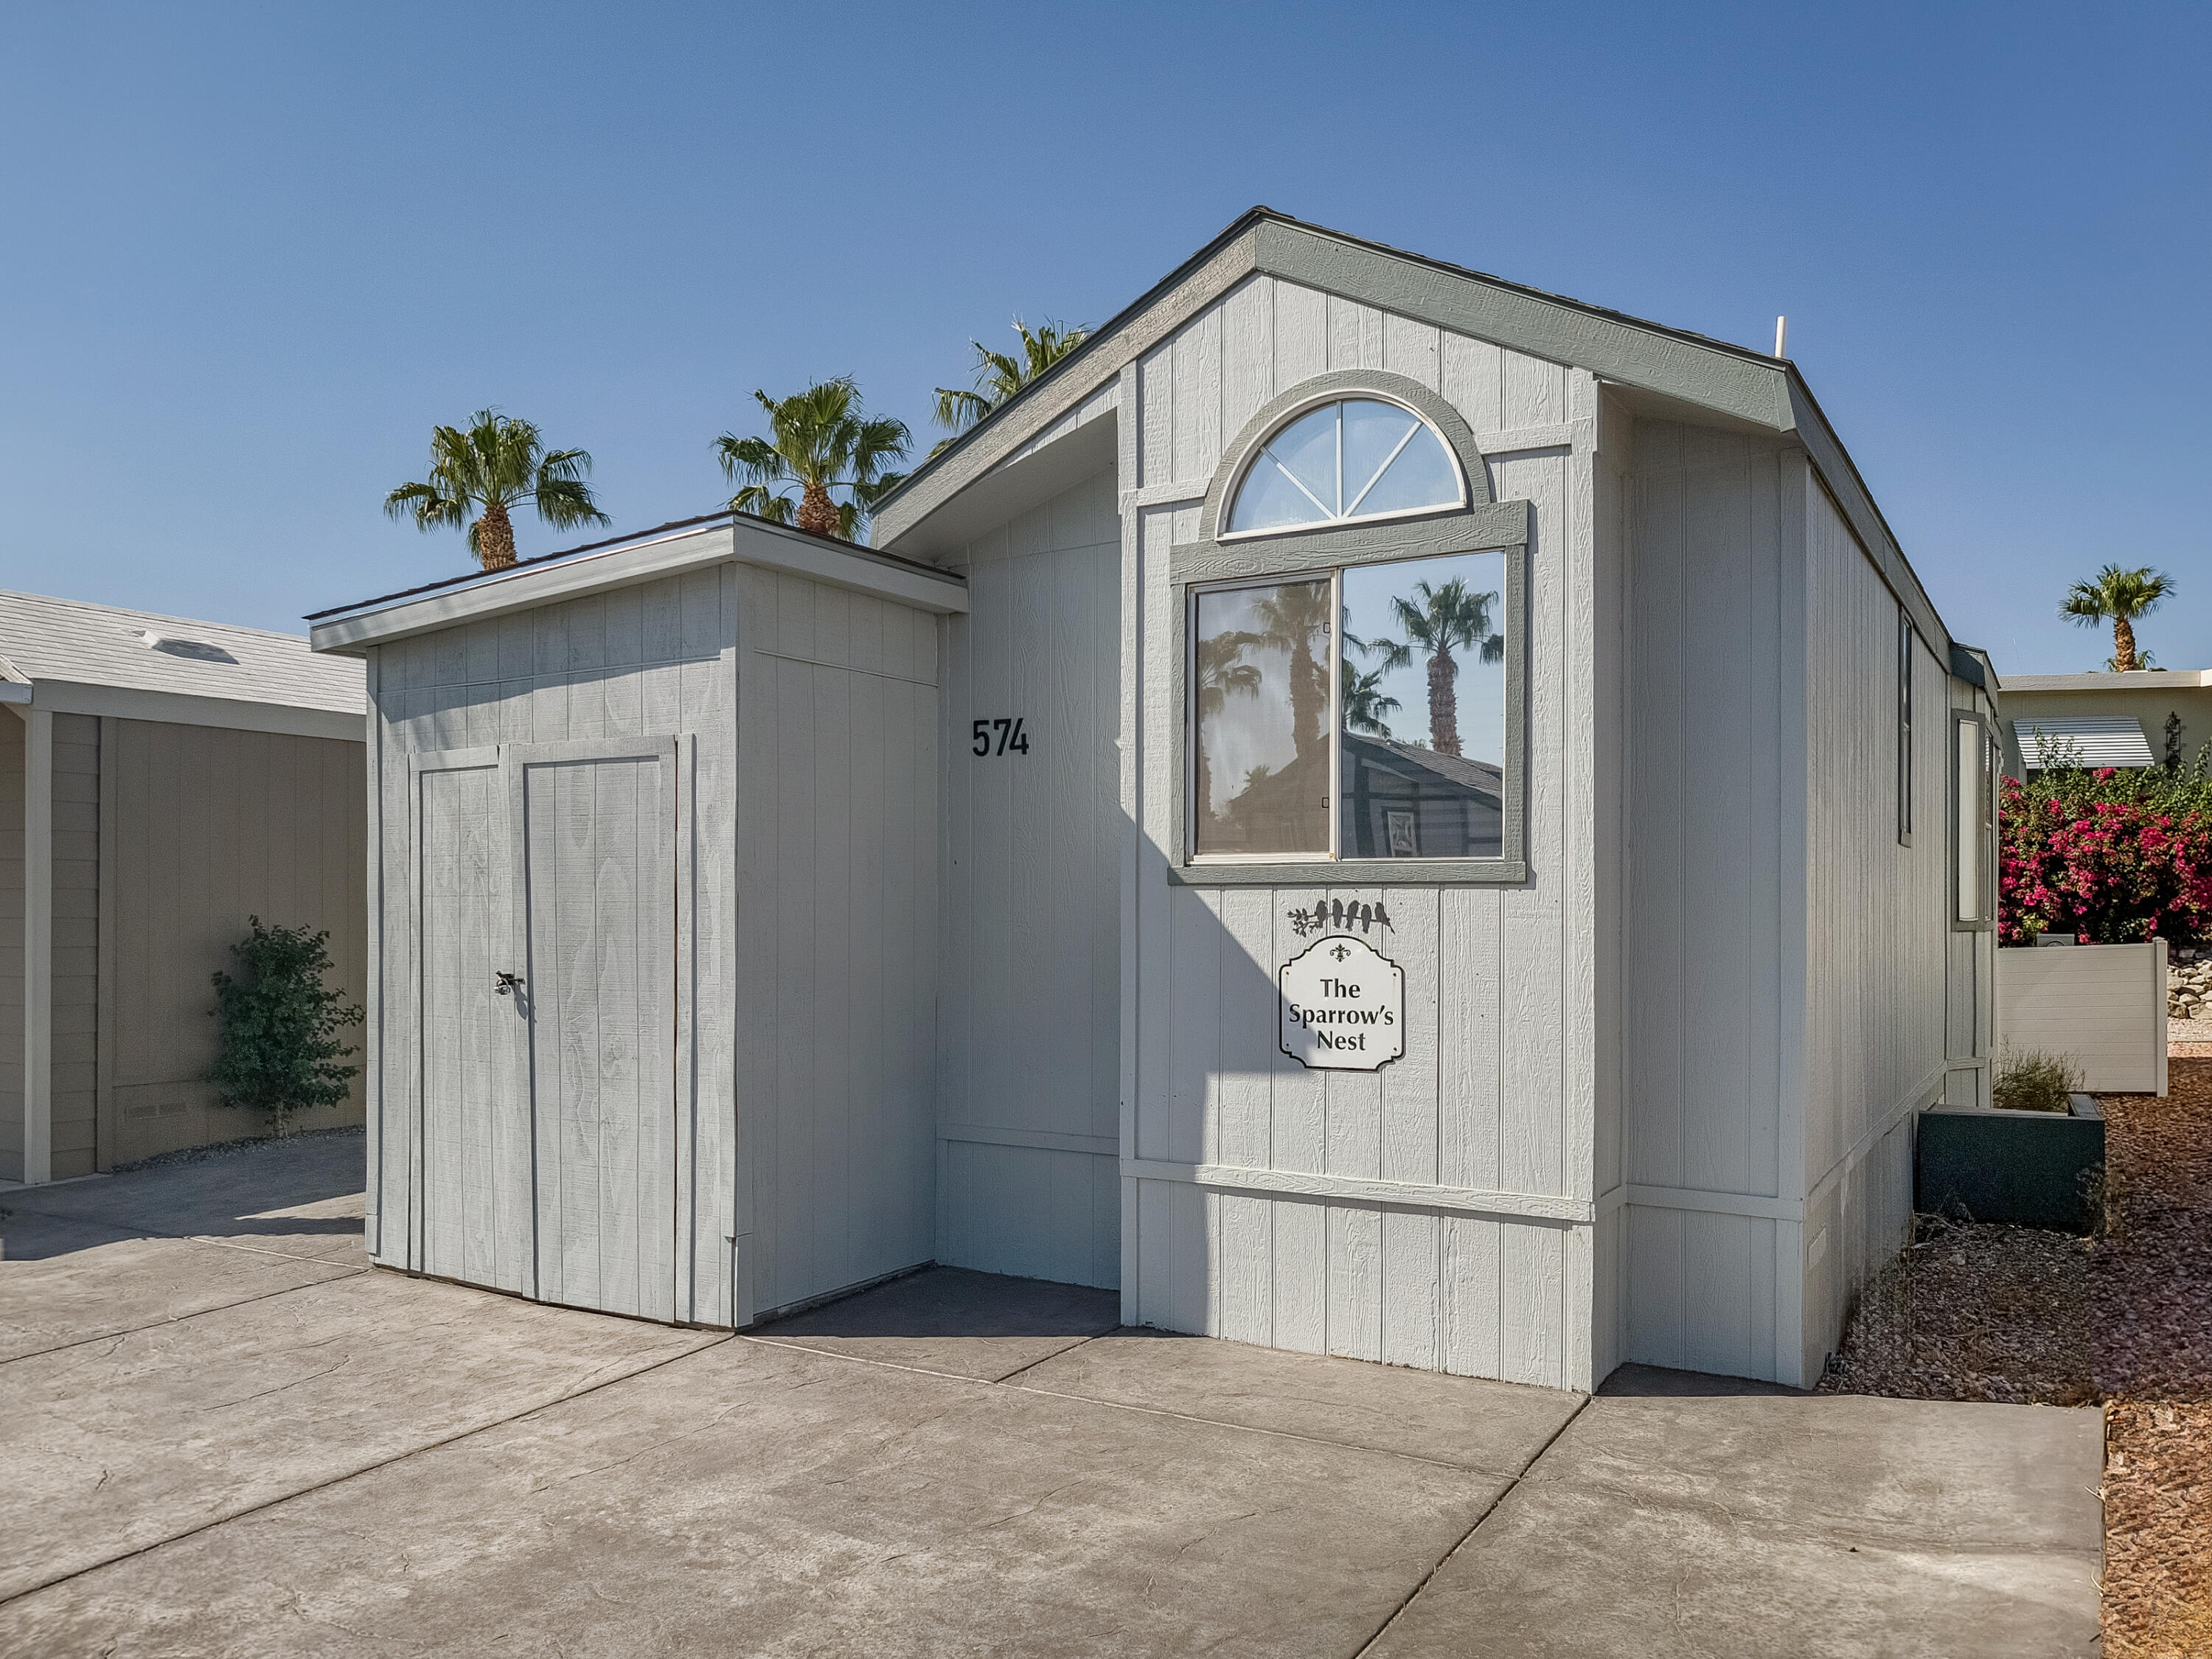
(1499, 1427)
(227, 1460)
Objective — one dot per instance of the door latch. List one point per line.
(507, 985)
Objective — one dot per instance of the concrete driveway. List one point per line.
(225, 1435)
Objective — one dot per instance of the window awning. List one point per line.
(2089, 739)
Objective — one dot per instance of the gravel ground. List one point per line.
(2153, 1363)
(228, 1149)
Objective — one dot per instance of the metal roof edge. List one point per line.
(552, 578)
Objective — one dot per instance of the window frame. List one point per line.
(1907, 639)
(1480, 525)
(1984, 806)
(1309, 403)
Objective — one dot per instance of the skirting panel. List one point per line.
(1471, 1295)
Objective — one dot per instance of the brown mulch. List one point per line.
(1973, 1311)
(2153, 1366)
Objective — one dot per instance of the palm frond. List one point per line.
(430, 508)
(761, 504)
(565, 503)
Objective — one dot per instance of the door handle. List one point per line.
(507, 985)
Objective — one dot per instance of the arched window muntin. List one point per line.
(1452, 497)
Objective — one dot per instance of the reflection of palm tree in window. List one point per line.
(1364, 702)
(1445, 618)
(1294, 618)
(1222, 674)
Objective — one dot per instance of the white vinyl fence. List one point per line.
(2101, 1005)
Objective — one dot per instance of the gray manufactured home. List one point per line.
(1378, 811)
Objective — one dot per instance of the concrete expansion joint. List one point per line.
(1007, 1380)
(1489, 1510)
(184, 1319)
(459, 1435)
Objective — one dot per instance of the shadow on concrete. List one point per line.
(955, 1302)
(1651, 1382)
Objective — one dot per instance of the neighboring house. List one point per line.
(161, 781)
(1034, 908)
(2136, 718)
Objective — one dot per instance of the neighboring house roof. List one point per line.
(2140, 679)
(1731, 382)
(76, 658)
(1480, 776)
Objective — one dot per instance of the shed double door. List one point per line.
(546, 888)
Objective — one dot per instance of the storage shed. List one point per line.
(654, 921)
(1379, 811)
(161, 780)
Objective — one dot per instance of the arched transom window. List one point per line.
(1359, 458)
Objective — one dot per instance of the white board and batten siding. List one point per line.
(1788, 954)
(1030, 1021)
(837, 932)
(1439, 1212)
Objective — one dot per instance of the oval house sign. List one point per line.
(1344, 1006)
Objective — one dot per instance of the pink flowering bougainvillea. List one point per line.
(2092, 856)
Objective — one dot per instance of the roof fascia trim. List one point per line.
(762, 545)
(182, 708)
(1083, 373)
(1833, 465)
(1748, 387)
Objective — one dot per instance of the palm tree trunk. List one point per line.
(2124, 646)
(818, 514)
(1444, 704)
(495, 538)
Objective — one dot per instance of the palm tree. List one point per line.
(999, 375)
(1222, 673)
(1445, 619)
(2119, 596)
(1364, 701)
(824, 441)
(485, 470)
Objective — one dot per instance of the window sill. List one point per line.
(1355, 872)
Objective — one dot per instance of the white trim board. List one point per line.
(182, 708)
(743, 541)
(1350, 1189)
(37, 944)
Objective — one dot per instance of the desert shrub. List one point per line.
(2109, 855)
(280, 1024)
(2034, 1082)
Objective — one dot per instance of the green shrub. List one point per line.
(2034, 1083)
(280, 1049)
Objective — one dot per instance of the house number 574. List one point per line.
(1005, 732)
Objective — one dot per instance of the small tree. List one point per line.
(280, 1024)
(477, 475)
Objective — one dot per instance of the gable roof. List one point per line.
(1732, 382)
(75, 657)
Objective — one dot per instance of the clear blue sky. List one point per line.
(252, 254)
